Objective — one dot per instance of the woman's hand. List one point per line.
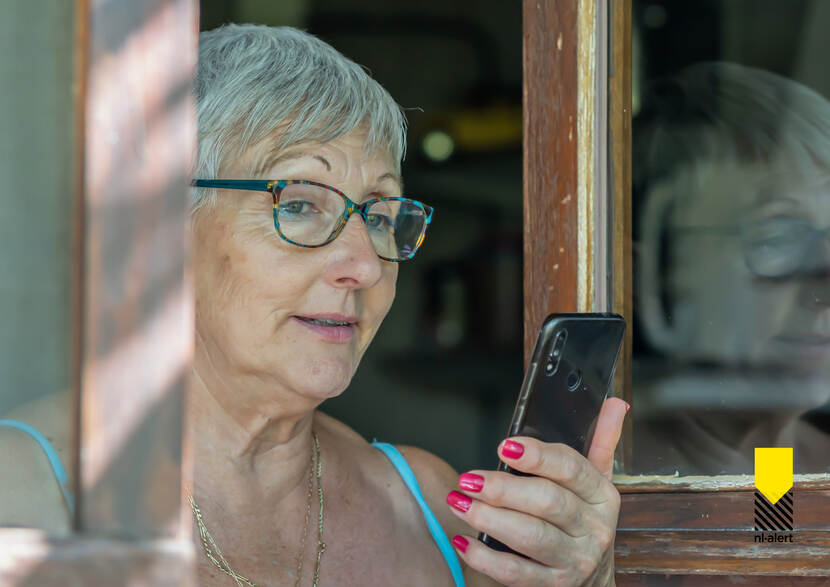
(564, 517)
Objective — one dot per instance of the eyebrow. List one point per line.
(771, 195)
(275, 157)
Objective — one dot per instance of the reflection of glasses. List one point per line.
(777, 247)
(311, 214)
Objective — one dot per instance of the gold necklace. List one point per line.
(209, 544)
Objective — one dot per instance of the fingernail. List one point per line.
(459, 501)
(460, 543)
(627, 407)
(471, 482)
(512, 449)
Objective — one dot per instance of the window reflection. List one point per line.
(732, 259)
(36, 262)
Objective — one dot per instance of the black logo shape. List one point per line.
(776, 517)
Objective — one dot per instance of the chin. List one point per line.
(322, 384)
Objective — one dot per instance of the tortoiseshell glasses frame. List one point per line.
(276, 186)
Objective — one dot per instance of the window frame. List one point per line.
(688, 530)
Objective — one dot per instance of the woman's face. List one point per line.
(737, 315)
(255, 293)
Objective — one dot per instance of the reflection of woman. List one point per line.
(733, 165)
(296, 259)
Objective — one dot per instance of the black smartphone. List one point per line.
(565, 384)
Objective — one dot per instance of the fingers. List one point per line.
(504, 567)
(607, 435)
(536, 496)
(508, 569)
(523, 533)
(559, 463)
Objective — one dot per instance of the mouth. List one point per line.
(330, 327)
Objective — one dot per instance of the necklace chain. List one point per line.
(215, 555)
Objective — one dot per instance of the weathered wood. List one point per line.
(624, 580)
(137, 340)
(550, 162)
(719, 511)
(619, 131)
(707, 552)
(719, 483)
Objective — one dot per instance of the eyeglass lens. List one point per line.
(309, 214)
(782, 246)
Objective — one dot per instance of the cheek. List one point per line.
(232, 276)
(775, 303)
(385, 294)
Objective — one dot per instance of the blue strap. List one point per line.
(51, 454)
(432, 522)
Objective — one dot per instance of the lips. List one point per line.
(331, 327)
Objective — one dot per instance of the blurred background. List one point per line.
(445, 368)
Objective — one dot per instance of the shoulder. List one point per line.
(436, 479)
(432, 471)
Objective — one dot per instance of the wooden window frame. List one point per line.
(132, 304)
(687, 530)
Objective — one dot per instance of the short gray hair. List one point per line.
(256, 82)
(717, 112)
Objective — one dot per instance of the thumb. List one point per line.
(607, 435)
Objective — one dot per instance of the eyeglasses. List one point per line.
(310, 214)
(775, 248)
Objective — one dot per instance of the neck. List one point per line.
(251, 441)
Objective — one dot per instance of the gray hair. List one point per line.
(725, 113)
(257, 82)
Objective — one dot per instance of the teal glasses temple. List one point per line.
(397, 227)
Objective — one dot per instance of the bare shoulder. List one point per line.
(436, 478)
(432, 471)
(29, 494)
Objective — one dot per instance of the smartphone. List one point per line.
(565, 384)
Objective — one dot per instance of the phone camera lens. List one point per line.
(549, 368)
(574, 379)
(556, 352)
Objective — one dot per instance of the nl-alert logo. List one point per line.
(773, 495)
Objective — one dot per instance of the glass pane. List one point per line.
(36, 264)
(731, 172)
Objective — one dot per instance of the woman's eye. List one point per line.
(296, 207)
(378, 222)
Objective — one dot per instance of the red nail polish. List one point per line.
(627, 407)
(460, 543)
(459, 501)
(470, 482)
(512, 449)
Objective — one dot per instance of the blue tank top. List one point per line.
(432, 522)
(390, 451)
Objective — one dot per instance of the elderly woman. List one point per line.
(299, 228)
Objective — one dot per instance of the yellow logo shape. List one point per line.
(773, 472)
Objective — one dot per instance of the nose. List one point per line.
(814, 290)
(354, 263)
